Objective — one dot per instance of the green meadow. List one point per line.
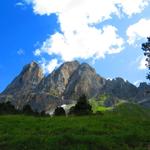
(125, 128)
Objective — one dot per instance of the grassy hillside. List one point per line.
(127, 128)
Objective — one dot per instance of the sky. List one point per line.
(106, 34)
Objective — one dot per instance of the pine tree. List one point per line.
(146, 49)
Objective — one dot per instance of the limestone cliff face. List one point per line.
(26, 81)
(56, 82)
(84, 81)
(19, 91)
(66, 84)
(143, 91)
(120, 88)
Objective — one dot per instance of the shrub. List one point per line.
(7, 108)
(27, 110)
(82, 107)
(43, 114)
(59, 111)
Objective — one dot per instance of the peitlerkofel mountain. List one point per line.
(64, 86)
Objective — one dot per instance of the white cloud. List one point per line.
(37, 52)
(21, 52)
(48, 67)
(131, 7)
(142, 63)
(79, 38)
(96, 44)
(139, 30)
(137, 83)
(94, 9)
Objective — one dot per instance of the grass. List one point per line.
(122, 129)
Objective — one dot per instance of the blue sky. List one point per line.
(107, 35)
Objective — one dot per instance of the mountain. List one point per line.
(120, 88)
(22, 86)
(84, 80)
(26, 81)
(56, 82)
(64, 86)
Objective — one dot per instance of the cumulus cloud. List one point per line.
(79, 38)
(94, 9)
(96, 44)
(142, 63)
(131, 7)
(48, 66)
(138, 30)
(137, 83)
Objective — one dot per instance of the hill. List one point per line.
(122, 129)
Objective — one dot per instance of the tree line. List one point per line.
(82, 107)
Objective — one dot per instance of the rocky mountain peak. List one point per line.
(84, 80)
(56, 82)
(65, 84)
(27, 80)
(143, 85)
(120, 88)
(86, 67)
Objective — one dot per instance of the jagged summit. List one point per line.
(27, 80)
(31, 65)
(84, 80)
(56, 82)
(64, 85)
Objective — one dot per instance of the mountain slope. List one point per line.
(20, 89)
(27, 80)
(84, 80)
(65, 84)
(120, 88)
(56, 82)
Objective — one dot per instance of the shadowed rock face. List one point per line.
(120, 88)
(66, 84)
(84, 80)
(143, 91)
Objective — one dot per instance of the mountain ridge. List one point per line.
(65, 84)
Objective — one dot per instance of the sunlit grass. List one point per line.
(122, 129)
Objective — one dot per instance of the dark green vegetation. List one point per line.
(82, 107)
(59, 111)
(146, 49)
(7, 108)
(125, 128)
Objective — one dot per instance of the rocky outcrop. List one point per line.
(20, 89)
(26, 81)
(120, 88)
(84, 80)
(65, 84)
(56, 82)
(143, 91)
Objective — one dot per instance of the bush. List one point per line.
(7, 108)
(59, 111)
(43, 114)
(28, 110)
(82, 107)
(99, 113)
